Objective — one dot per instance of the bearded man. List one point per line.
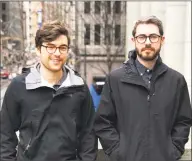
(145, 111)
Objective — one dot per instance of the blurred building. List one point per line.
(4, 13)
(33, 11)
(13, 27)
(100, 39)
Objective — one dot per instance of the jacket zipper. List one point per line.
(29, 142)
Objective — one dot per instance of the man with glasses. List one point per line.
(50, 106)
(145, 111)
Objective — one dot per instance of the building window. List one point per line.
(117, 34)
(108, 29)
(3, 6)
(87, 34)
(108, 7)
(3, 17)
(117, 7)
(97, 34)
(97, 7)
(87, 7)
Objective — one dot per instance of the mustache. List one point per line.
(148, 47)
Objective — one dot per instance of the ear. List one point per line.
(133, 39)
(38, 51)
(162, 40)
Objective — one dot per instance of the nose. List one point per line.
(57, 52)
(147, 41)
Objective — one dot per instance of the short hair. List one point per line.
(149, 20)
(50, 31)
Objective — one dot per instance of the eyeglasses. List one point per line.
(153, 38)
(51, 49)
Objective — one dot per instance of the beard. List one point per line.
(149, 55)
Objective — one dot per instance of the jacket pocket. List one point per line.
(175, 153)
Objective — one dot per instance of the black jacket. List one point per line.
(53, 125)
(134, 123)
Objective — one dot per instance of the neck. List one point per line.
(50, 76)
(147, 64)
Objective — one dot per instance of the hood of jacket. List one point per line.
(33, 80)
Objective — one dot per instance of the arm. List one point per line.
(87, 150)
(106, 120)
(9, 123)
(183, 121)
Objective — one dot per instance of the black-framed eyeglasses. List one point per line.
(153, 38)
(51, 49)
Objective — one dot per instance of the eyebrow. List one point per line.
(55, 45)
(149, 34)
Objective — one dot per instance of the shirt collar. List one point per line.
(140, 67)
(33, 80)
(46, 83)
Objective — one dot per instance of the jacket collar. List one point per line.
(131, 74)
(33, 80)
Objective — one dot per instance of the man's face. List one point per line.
(54, 58)
(148, 48)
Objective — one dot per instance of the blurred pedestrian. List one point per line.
(50, 106)
(145, 111)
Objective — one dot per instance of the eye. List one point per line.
(154, 36)
(141, 36)
(51, 47)
(63, 48)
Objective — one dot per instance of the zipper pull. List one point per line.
(54, 93)
(148, 98)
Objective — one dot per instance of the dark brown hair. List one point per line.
(49, 32)
(149, 20)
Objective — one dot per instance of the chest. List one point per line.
(136, 100)
(61, 103)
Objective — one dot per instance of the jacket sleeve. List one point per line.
(9, 123)
(87, 149)
(183, 121)
(106, 121)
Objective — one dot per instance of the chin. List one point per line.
(56, 69)
(148, 58)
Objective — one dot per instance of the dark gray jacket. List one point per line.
(134, 123)
(54, 125)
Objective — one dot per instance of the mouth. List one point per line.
(149, 49)
(55, 60)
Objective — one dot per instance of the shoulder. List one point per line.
(176, 75)
(17, 82)
(117, 73)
